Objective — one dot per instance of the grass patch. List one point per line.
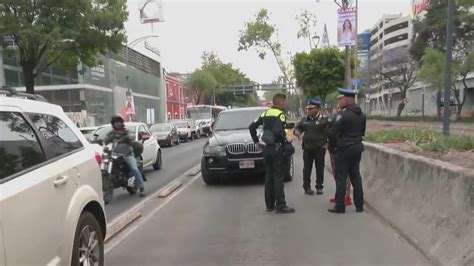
(417, 119)
(426, 139)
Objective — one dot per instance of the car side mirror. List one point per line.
(290, 125)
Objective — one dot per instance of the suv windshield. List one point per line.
(236, 120)
(100, 133)
(160, 128)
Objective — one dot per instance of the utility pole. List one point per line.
(447, 78)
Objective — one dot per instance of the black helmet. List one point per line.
(115, 119)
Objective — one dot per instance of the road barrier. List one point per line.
(430, 202)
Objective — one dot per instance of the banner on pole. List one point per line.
(346, 29)
(151, 11)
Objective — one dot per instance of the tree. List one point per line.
(307, 22)
(65, 32)
(431, 30)
(319, 72)
(433, 69)
(201, 83)
(399, 69)
(226, 76)
(260, 34)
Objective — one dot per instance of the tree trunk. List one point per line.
(400, 108)
(438, 107)
(29, 76)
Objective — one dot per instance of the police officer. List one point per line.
(314, 127)
(346, 136)
(274, 139)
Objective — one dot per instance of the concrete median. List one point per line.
(430, 202)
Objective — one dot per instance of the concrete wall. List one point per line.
(429, 201)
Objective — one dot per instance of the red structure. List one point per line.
(175, 102)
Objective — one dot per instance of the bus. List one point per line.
(204, 116)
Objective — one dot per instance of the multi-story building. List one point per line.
(91, 96)
(175, 101)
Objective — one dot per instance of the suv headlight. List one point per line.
(214, 150)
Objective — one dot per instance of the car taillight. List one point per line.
(98, 158)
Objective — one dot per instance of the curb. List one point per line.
(129, 216)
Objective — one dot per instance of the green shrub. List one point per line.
(427, 139)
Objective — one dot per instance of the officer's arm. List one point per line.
(279, 128)
(299, 128)
(335, 129)
(253, 128)
(364, 124)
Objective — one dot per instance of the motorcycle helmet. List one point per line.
(115, 119)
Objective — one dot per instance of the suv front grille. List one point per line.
(252, 148)
(236, 148)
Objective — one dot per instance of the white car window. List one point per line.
(60, 139)
(19, 146)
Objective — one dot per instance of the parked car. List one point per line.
(51, 203)
(87, 132)
(231, 151)
(165, 133)
(194, 128)
(185, 131)
(151, 155)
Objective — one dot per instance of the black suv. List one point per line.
(231, 151)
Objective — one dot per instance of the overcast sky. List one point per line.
(192, 27)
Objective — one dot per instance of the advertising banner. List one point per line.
(346, 29)
(363, 42)
(151, 11)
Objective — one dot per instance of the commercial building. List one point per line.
(91, 95)
(175, 100)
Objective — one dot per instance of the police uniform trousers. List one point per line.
(274, 176)
(347, 164)
(316, 156)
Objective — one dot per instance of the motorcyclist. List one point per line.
(123, 145)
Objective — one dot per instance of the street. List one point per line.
(227, 225)
(176, 160)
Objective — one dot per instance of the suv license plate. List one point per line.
(246, 164)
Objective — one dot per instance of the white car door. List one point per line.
(147, 147)
(154, 146)
(36, 187)
(2, 253)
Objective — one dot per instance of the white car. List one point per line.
(51, 203)
(151, 155)
(185, 130)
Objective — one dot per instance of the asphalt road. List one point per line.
(228, 225)
(176, 160)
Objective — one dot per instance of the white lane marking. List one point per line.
(121, 237)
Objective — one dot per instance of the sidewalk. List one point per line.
(228, 225)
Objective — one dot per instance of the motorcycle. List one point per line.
(115, 174)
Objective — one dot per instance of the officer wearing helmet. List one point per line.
(120, 136)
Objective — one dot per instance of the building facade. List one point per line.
(91, 95)
(175, 101)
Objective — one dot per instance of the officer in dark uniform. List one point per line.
(274, 139)
(314, 127)
(346, 135)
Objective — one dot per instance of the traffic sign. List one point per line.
(357, 82)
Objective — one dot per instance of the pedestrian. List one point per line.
(332, 155)
(314, 129)
(274, 139)
(346, 135)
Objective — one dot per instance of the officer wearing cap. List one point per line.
(346, 136)
(275, 146)
(314, 127)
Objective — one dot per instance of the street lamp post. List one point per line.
(128, 46)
